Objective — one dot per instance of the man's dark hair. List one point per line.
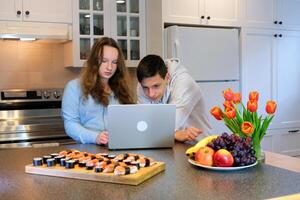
(151, 65)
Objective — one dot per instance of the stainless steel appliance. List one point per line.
(31, 118)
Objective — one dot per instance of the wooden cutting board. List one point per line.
(81, 173)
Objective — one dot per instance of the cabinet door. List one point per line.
(288, 81)
(259, 13)
(257, 65)
(128, 19)
(47, 10)
(220, 12)
(179, 11)
(11, 10)
(288, 142)
(289, 13)
(91, 20)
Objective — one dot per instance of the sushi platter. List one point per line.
(131, 169)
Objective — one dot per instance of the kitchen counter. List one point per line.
(180, 180)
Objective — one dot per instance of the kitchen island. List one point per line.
(180, 180)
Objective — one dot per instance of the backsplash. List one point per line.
(33, 65)
(36, 65)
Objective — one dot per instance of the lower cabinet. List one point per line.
(283, 141)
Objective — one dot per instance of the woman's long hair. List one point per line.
(91, 81)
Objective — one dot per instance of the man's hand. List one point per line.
(188, 134)
(102, 138)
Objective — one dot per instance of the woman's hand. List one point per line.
(102, 138)
(188, 134)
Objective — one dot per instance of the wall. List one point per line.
(33, 65)
(37, 65)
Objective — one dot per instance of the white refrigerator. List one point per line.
(211, 55)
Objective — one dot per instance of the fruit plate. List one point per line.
(221, 168)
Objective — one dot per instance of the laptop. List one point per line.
(141, 126)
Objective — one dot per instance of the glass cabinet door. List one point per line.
(130, 19)
(91, 24)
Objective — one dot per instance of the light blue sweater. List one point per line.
(83, 119)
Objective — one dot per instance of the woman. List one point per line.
(103, 81)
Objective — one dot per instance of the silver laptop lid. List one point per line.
(137, 126)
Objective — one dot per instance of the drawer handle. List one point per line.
(294, 131)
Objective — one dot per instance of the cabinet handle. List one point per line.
(27, 12)
(202, 17)
(275, 22)
(208, 17)
(19, 12)
(280, 22)
(275, 35)
(280, 35)
(294, 131)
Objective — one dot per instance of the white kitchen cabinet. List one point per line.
(281, 14)
(271, 66)
(93, 19)
(286, 141)
(201, 12)
(288, 13)
(59, 11)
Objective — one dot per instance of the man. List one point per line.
(171, 84)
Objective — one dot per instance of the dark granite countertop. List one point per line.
(180, 180)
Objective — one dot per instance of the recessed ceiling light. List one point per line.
(120, 1)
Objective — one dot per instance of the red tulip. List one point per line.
(230, 112)
(271, 107)
(247, 128)
(253, 96)
(227, 104)
(252, 106)
(228, 94)
(236, 98)
(216, 112)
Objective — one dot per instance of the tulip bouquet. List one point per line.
(244, 121)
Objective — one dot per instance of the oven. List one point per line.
(31, 118)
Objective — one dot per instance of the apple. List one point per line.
(204, 156)
(223, 158)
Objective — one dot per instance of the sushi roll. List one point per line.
(135, 163)
(124, 170)
(37, 161)
(111, 156)
(109, 168)
(70, 164)
(98, 169)
(90, 165)
(63, 162)
(45, 159)
(51, 162)
(53, 155)
(145, 162)
(58, 158)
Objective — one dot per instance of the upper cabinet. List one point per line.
(122, 20)
(282, 14)
(59, 11)
(201, 12)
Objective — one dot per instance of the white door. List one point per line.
(207, 53)
(288, 81)
(178, 11)
(259, 13)
(11, 10)
(213, 96)
(222, 12)
(257, 64)
(48, 10)
(289, 13)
